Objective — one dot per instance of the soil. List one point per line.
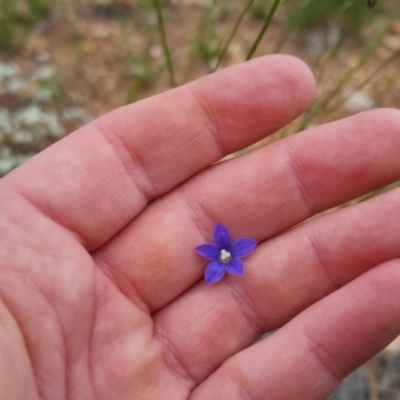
(98, 51)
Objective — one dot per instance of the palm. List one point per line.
(94, 342)
(102, 294)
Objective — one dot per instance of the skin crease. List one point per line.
(102, 295)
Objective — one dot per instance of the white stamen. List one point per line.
(225, 255)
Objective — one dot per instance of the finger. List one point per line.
(283, 276)
(309, 356)
(257, 195)
(96, 180)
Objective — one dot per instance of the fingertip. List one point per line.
(288, 81)
(255, 98)
(295, 75)
(383, 280)
(388, 119)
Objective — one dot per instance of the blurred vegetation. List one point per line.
(35, 121)
(208, 44)
(155, 56)
(142, 73)
(309, 14)
(17, 19)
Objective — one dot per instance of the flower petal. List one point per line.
(208, 251)
(243, 247)
(222, 237)
(215, 271)
(235, 267)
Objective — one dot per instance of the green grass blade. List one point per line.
(267, 23)
(393, 57)
(350, 73)
(233, 33)
(163, 36)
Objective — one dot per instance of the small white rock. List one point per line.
(359, 101)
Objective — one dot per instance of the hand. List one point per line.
(102, 294)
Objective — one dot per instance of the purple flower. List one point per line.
(225, 256)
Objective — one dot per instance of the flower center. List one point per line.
(225, 256)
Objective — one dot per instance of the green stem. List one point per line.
(267, 22)
(233, 33)
(323, 65)
(163, 36)
(368, 79)
(349, 74)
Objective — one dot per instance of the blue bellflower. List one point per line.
(225, 256)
